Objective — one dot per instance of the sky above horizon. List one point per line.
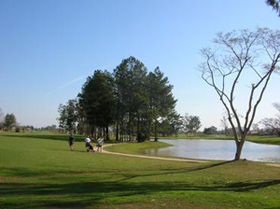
(49, 48)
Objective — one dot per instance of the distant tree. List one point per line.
(191, 124)
(241, 57)
(62, 117)
(176, 123)
(1, 125)
(1, 119)
(274, 4)
(210, 130)
(72, 115)
(1, 114)
(82, 125)
(255, 126)
(68, 116)
(170, 124)
(273, 123)
(10, 121)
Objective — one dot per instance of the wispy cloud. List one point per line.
(77, 79)
(67, 84)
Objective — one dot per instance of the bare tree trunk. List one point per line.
(129, 128)
(138, 129)
(95, 132)
(107, 133)
(117, 132)
(239, 146)
(149, 130)
(121, 131)
(156, 137)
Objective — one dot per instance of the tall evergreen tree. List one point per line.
(161, 100)
(131, 93)
(97, 99)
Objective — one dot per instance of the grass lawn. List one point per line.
(258, 139)
(39, 171)
(265, 139)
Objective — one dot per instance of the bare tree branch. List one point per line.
(235, 59)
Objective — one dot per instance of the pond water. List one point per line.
(217, 150)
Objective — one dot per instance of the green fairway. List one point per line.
(39, 171)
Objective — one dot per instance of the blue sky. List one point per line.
(48, 48)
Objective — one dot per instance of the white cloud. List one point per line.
(67, 84)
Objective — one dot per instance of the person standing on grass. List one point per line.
(99, 144)
(71, 142)
(88, 145)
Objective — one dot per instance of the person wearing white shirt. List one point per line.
(99, 144)
(88, 145)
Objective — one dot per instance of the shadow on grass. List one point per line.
(173, 171)
(91, 193)
(82, 193)
(23, 172)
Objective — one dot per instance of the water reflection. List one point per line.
(217, 150)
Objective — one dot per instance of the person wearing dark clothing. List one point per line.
(71, 141)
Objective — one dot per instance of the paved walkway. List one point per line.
(274, 165)
(163, 158)
(151, 157)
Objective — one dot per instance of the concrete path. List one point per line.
(274, 165)
(150, 157)
(162, 158)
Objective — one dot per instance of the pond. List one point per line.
(217, 150)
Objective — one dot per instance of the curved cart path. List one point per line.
(274, 165)
(150, 157)
(163, 158)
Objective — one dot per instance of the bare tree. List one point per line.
(273, 123)
(243, 62)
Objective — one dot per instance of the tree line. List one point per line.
(131, 101)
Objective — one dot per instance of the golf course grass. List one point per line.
(39, 171)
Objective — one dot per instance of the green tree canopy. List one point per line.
(210, 130)
(68, 116)
(191, 124)
(274, 4)
(161, 100)
(132, 95)
(10, 121)
(97, 99)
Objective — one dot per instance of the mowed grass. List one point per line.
(265, 139)
(37, 172)
(258, 139)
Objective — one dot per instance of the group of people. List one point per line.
(88, 145)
